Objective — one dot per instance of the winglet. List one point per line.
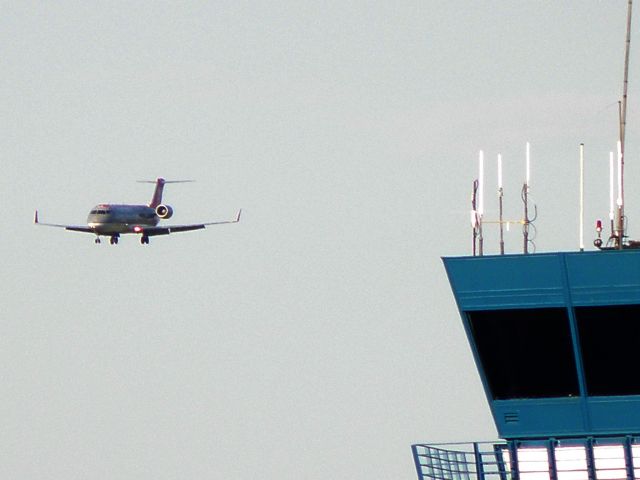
(35, 219)
(238, 217)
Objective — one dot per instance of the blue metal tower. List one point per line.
(555, 338)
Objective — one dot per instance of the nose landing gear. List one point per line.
(97, 240)
(144, 240)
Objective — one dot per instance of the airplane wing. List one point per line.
(149, 231)
(74, 228)
(167, 229)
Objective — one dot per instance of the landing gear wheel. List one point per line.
(97, 240)
(144, 240)
(113, 240)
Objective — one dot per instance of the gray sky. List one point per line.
(318, 338)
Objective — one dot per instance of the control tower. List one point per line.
(556, 340)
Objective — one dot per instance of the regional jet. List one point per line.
(113, 220)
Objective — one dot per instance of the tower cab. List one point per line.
(556, 340)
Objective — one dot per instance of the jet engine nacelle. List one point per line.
(164, 211)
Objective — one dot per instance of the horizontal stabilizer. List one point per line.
(157, 193)
(165, 181)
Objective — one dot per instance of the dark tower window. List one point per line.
(610, 339)
(525, 353)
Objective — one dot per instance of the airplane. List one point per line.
(113, 220)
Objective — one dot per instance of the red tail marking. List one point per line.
(157, 194)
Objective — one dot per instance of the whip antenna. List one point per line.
(623, 124)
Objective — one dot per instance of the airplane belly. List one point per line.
(110, 228)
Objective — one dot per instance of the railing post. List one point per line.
(513, 459)
(500, 464)
(628, 458)
(551, 458)
(591, 463)
(478, 458)
(416, 460)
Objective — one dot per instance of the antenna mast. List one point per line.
(581, 228)
(525, 198)
(500, 195)
(623, 124)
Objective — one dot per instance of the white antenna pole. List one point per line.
(623, 112)
(619, 201)
(474, 214)
(528, 178)
(582, 197)
(481, 184)
(619, 198)
(500, 195)
(623, 125)
(480, 200)
(525, 198)
(611, 175)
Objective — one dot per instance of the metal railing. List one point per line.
(474, 461)
(552, 459)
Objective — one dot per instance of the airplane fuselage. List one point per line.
(106, 219)
(111, 220)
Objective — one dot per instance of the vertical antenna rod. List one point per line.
(582, 197)
(623, 124)
(525, 199)
(619, 201)
(500, 195)
(480, 201)
(474, 214)
(611, 192)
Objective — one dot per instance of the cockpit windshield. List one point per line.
(100, 211)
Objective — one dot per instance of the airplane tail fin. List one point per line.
(157, 193)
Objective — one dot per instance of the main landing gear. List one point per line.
(113, 240)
